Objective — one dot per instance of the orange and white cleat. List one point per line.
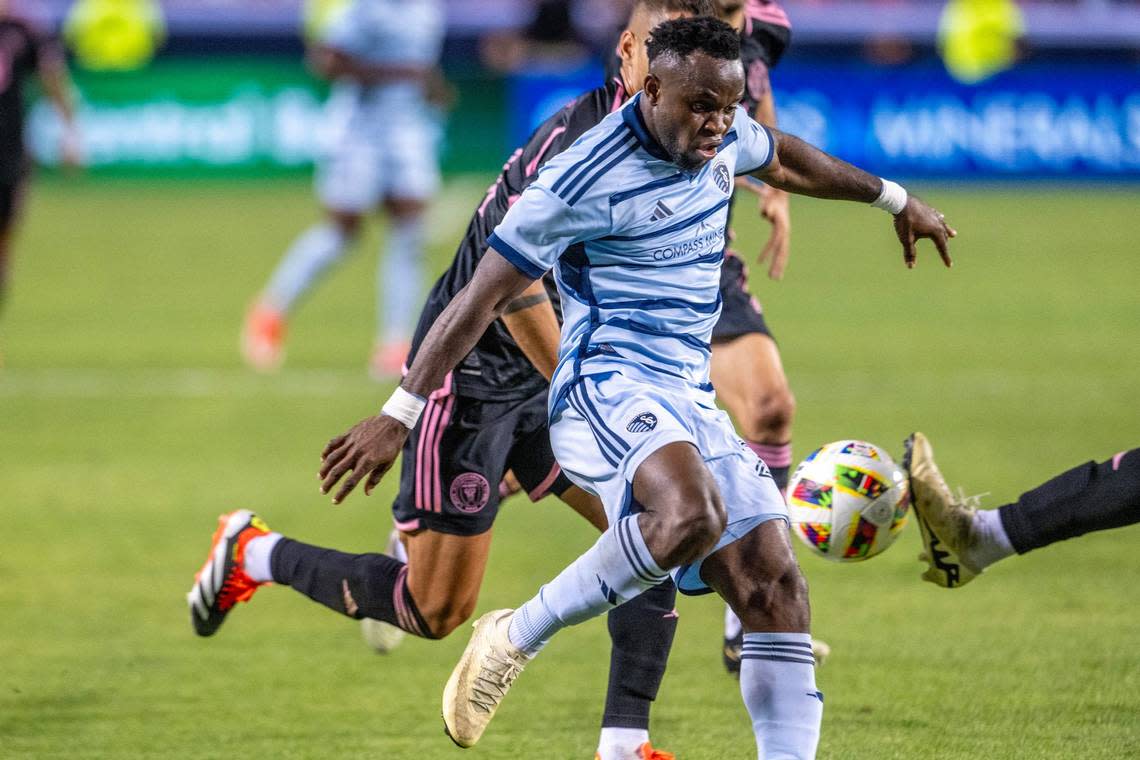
(388, 360)
(222, 583)
(647, 752)
(263, 338)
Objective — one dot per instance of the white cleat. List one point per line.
(384, 637)
(821, 649)
(946, 524)
(484, 675)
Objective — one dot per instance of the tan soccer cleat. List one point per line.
(946, 525)
(484, 675)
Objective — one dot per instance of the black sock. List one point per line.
(1086, 498)
(357, 585)
(641, 632)
(780, 475)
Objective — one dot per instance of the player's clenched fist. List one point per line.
(367, 450)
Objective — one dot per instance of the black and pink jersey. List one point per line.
(496, 369)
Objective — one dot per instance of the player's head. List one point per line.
(695, 82)
(645, 15)
(731, 12)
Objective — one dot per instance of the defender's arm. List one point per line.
(372, 445)
(531, 320)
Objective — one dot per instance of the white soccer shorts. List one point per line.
(609, 424)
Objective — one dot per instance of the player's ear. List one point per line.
(652, 88)
(626, 46)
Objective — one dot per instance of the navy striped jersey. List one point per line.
(636, 244)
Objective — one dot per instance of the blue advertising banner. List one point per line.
(1036, 120)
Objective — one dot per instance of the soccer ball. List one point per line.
(848, 501)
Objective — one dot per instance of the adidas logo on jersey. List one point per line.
(661, 211)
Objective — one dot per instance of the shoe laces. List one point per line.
(646, 752)
(494, 680)
(972, 502)
(237, 587)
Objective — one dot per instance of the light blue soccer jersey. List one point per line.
(392, 32)
(398, 32)
(636, 245)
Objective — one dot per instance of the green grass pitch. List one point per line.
(127, 424)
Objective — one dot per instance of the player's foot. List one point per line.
(384, 637)
(263, 338)
(484, 675)
(388, 359)
(222, 583)
(821, 650)
(645, 752)
(946, 525)
(733, 647)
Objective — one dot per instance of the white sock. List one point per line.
(399, 288)
(991, 542)
(777, 679)
(621, 743)
(732, 624)
(614, 570)
(257, 553)
(311, 254)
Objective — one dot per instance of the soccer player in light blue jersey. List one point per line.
(380, 56)
(632, 220)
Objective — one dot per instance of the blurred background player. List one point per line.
(960, 541)
(25, 51)
(381, 57)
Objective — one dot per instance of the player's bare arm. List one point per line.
(800, 168)
(372, 445)
(330, 63)
(56, 83)
(531, 320)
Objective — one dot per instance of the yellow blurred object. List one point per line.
(978, 38)
(318, 14)
(114, 35)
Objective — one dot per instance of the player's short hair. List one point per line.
(684, 36)
(692, 7)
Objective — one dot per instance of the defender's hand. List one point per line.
(775, 208)
(917, 221)
(368, 450)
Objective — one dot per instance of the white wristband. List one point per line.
(892, 199)
(404, 407)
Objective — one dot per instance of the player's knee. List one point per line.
(694, 526)
(348, 223)
(769, 415)
(778, 600)
(441, 618)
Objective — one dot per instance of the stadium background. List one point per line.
(127, 421)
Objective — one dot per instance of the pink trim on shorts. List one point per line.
(774, 455)
(407, 526)
(1116, 460)
(423, 449)
(437, 484)
(543, 488)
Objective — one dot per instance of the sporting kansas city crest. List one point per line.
(722, 178)
(642, 423)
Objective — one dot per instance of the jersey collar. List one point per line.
(633, 118)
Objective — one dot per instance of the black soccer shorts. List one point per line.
(455, 458)
(740, 313)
